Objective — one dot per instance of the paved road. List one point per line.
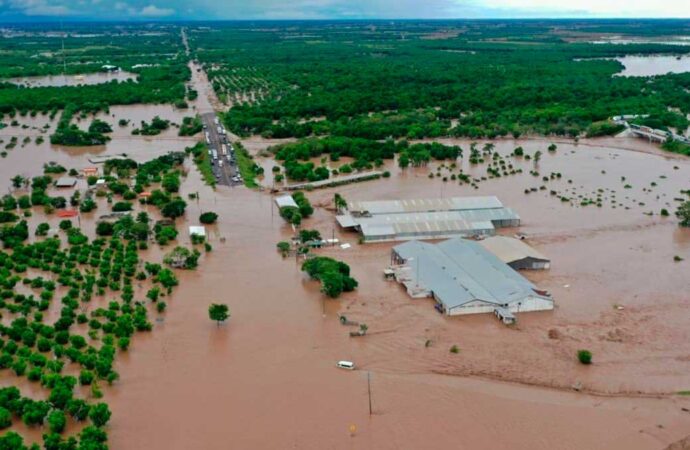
(224, 168)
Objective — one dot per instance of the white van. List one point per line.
(348, 365)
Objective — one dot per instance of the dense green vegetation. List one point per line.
(190, 126)
(334, 275)
(67, 133)
(53, 333)
(246, 165)
(157, 126)
(484, 79)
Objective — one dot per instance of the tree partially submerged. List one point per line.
(334, 275)
(218, 312)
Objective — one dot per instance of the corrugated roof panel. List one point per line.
(459, 271)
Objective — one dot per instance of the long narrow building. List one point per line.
(397, 220)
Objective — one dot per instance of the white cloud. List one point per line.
(40, 8)
(154, 11)
(638, 8)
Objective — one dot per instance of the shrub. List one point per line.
(56, 421)
(86, 377)
(455, 349)
(584, 356)
(99, 414)
(208, 217)
(122, 206)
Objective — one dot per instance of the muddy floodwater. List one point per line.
(32, 135)
(73, 80)
(267, 379)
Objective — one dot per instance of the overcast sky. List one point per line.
(336, 9)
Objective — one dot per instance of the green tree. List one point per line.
(57, 421)
(283, 247)
(18, 181)
(683, 214)
(339, 202)
(99, 414)
(218, 312)
(208, 217)
(331, 284)
(174, 209)
(5, 418)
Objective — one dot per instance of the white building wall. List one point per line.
(531, 303)
(526, 305)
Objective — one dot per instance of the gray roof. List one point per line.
(438, 222)
(285, 200)
(460, 271)
(509, 249)
(66, 182)
(424, 205)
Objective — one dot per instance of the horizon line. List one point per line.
(44, 19)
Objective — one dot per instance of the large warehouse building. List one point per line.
(464, 278)
(397, 220)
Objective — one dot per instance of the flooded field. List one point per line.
(32, 134)
(619, 40)
(272, 366)
(645, 66)
(73, 80)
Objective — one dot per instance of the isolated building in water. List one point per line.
(464, 278)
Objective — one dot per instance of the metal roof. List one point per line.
(285, 200)
(468, 221)
(424, 205)
(509, 249)
(198, 230)
(66, 182)
(459, 271)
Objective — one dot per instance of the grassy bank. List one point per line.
(246, 165)
(676, 147)
(203, 163)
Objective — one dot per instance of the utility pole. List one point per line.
(369, 389)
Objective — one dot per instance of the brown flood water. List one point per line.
(73, 80)
(267, 378)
